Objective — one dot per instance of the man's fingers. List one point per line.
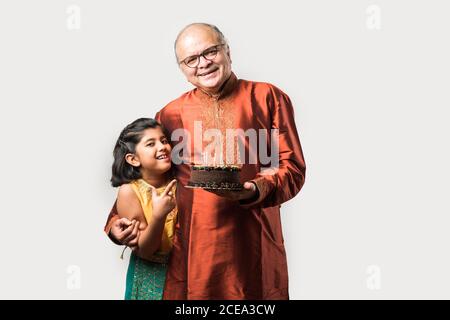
(134, 242)
(133, 234)
(126, 232)
(123, 223)
(249, 186)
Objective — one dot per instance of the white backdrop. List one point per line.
(369, 81)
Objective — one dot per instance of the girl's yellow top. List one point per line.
(144, 194)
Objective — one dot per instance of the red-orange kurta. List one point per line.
(222, 248)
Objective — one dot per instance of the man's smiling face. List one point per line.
(208, 75)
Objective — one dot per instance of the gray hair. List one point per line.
(214, 28)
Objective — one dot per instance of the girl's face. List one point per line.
(152, 152)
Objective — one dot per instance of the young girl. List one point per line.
(142, 170)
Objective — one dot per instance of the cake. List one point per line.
(215, 177)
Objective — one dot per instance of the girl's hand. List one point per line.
(163, 203)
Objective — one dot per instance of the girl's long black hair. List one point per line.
(131, 135)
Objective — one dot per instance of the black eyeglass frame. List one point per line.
(197, 56)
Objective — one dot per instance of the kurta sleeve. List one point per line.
(282, 184)
(113, 216)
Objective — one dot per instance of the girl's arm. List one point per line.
(128, 206)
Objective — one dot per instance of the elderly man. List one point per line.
(228, 244)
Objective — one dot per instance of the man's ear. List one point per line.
(132, 159)
(228, 52)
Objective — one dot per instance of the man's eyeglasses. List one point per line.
(208, 54)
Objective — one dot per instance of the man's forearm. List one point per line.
(112, 217)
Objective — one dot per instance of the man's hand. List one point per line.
(126, 232)
(249, 191)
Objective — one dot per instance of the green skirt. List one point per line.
(145, 279)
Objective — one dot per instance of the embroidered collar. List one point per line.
(227, 88)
